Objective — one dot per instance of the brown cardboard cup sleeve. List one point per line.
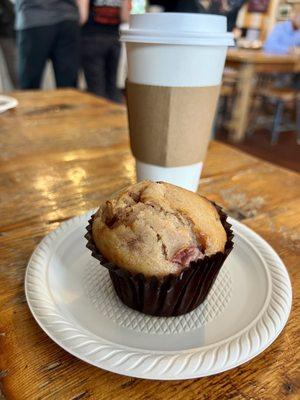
(170, 126)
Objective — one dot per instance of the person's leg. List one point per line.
(8, 45)
(34, 46)
(111, 67)
(66, 53)
(93, 51)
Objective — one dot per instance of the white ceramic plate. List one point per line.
(73, 301)
(7, 102)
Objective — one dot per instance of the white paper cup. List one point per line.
(186, 176)
(175, 50)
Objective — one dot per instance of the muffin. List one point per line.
(163, 245)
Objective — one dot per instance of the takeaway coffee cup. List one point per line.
(175, 66)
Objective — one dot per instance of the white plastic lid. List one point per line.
(178, 28)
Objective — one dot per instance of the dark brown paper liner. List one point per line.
(171, 295)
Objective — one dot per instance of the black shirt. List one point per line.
(7, 18)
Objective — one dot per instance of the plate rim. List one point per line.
(177, 361)
(11, 102)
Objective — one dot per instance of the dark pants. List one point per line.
(60, 43)
(100, 58)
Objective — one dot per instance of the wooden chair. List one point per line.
(223, 108)
(282, 96)
(230, 76)
(227, 93)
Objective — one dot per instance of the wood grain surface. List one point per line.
(263, 61)
(61, 153)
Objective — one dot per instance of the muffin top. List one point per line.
(156, 228)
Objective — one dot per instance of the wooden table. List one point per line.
(249, 63)
(62, 152)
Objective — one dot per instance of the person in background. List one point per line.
(189, 6)
(229, 8)
(101, 47)
(7, 38)
(285, 36)
(47, 29)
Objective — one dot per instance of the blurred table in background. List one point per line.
(62, 153)
(249, 63)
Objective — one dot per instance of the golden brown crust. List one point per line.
(156, 228)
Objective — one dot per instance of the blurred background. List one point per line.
(74, 43)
